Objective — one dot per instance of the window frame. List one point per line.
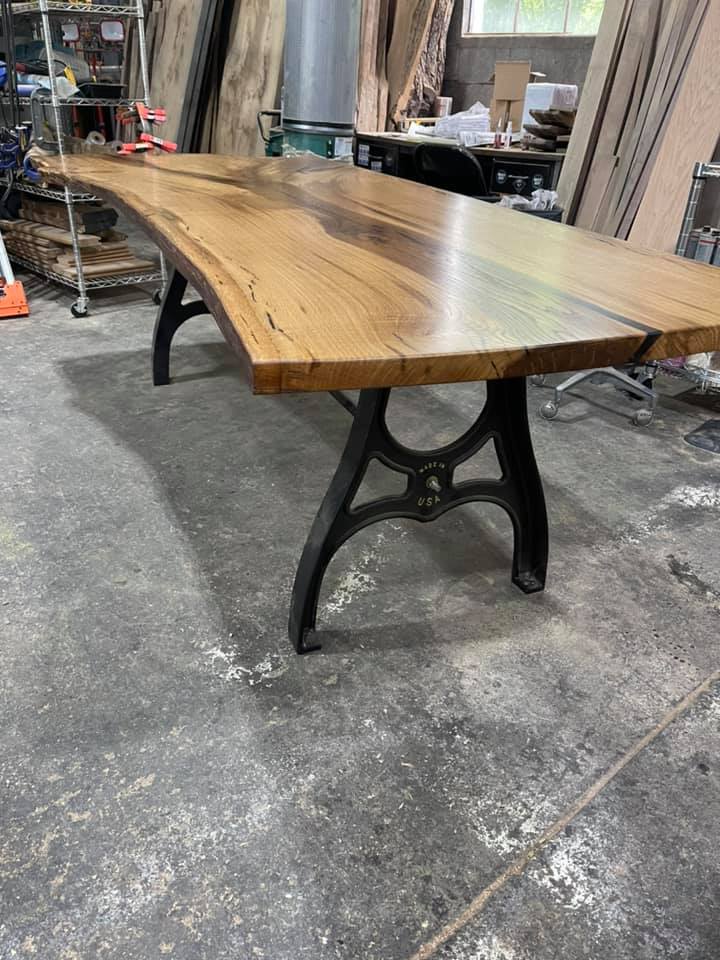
(467, 20)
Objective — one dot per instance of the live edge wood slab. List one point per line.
(326, 277)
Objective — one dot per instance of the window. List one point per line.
(533, 16)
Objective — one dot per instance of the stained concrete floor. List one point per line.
(463, 772)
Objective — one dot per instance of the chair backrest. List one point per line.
(450, 168)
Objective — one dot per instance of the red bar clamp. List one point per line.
(167, 145)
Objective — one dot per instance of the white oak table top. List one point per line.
(323, 276)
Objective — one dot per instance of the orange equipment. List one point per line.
(13, 302)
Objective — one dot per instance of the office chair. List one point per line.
(450, 168)
(637, 380)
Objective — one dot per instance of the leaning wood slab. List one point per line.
(326, 277)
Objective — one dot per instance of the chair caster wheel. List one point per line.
(78, 311)
(538, 379)
(549, 410)
(642, 418)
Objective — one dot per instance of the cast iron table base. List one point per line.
(431, 488)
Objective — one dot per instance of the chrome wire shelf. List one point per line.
(52, 193)
(47, 100)
(42, 9)
(94, 283)
(57, 6)
(704, 379)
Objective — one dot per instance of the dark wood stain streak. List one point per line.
(364, 232)
(432, 254)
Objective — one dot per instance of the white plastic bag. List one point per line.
(476, 119)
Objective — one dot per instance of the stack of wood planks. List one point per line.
(647, 114)
(89, 217)
(50, 248)
(551, 130)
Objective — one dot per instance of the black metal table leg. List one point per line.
(431, 491)
(172, 315)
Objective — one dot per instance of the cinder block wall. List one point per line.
(471, 60)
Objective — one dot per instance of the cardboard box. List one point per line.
(511, 78)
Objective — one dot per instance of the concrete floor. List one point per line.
(464, 772)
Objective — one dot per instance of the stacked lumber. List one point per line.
(89, 217)
(239, 67)
(647, 114)
(552, 128)
(50, 248)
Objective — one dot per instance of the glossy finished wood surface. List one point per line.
(323, 276)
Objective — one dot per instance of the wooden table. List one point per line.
(506, 171)
(325, 277)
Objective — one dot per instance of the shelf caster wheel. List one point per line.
(78, 311)
(642, 418)
(549, 410)
(538, 379)
(157, 297)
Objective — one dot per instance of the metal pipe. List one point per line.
(81, 287)
(143, 57)
(696, 189)
(50, 55)
(5, 265)
(70, 206)
(145, 76)
(701, 173)
(322, 53)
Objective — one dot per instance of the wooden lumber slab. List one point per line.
(692, 135)
(251, 77)
(174, 25)
(372, 75)
(410, 30)
(555, 117)
(592, 104)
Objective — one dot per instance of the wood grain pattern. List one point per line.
(428, 80)
(596, 91)
(411, 25)
(323, 276)
(251, 77)
(174, 25)
(692, 136)
(607, 151)
(372, 73)
(650, 115)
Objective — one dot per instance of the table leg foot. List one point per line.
(430, 492)
(303, 641)
(172, 315)
(529, 583)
